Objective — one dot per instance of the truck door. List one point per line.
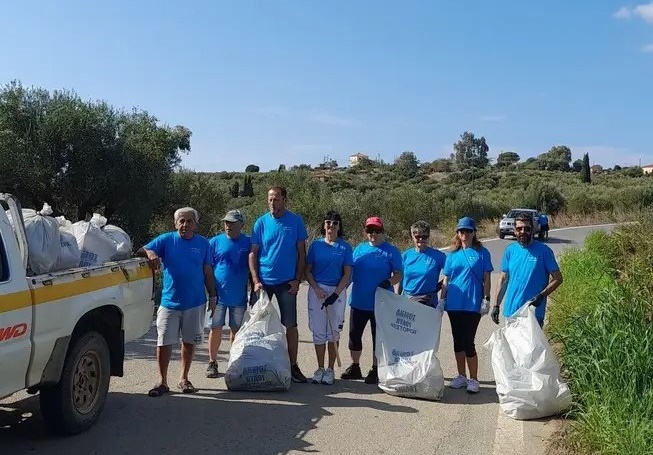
(15, 314)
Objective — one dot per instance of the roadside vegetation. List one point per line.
(84, 156)
(601, 322)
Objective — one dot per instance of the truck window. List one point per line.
(4, 263)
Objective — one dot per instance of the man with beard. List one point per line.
(525, 271)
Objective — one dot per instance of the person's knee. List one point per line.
(355, 341)
(470, 352)
(458, 345)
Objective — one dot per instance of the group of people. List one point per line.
(234, 268)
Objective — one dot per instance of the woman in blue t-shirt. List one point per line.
(328, 272)
(377, 263)
(422, 265)
(466, 292)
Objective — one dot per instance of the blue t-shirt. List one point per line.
(528, 270)
(231, 268)
(277, 240)
(466, 270)
(422, 271)
(183, 269)
(544, 219)
(328, 260)
(372, 264)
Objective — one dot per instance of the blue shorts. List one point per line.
(236, 315)
(287, 302)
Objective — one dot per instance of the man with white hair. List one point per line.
(187, 271)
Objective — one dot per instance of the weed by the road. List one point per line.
(601, 322)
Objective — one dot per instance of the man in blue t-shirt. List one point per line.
(187, 271)
(230, 252)
(276, 261)
(544, 226)
(525, 271)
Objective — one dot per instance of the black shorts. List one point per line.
(463, 328)
(358, 320)
(544, 227)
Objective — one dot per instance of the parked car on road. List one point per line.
(507, 222)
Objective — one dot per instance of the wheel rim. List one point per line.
(86, 382)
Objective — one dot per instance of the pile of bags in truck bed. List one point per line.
(56, 244)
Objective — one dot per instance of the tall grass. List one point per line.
(601, 322)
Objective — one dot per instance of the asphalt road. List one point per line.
(348, 417)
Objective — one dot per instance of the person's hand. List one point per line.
(294, 287)
(153, 260)
(495, 314)
(212, 303)
(536, 301)
(384, 284)
(438, 286)
(330, 300)
(257, 287)
(319, 292)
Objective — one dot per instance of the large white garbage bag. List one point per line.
(258, 358)
(407, 340)
(95, 246)
(122, 240)
(42, 232)
(526, 370)
(69, 254)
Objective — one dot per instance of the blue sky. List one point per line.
(291, 81)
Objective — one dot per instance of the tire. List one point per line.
(74, 404)
(502, 236)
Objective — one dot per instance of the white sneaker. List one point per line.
(329, 377)
(458, 382)
(473, 386)
(318, 376)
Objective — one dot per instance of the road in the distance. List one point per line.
(349, 417)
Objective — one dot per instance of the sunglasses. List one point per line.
(421, 236)
(465, 231)
(523, 229)
(332, 223)
(371, 230)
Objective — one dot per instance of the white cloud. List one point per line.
(493, 118)
(332, 120)
(645, 11)
(622, 13)
(647, 48)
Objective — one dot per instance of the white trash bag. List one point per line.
(69, 254)
(526, 370)
(95, 246)
(42, 232)
(407, 340)
(122, 240)
(258, 358)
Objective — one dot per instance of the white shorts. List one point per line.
(171, 324)
(317, 317)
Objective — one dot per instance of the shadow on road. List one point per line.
(209, 422)
(559, 241)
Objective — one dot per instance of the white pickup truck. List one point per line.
(63, 334)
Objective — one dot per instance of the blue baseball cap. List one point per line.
(466, 223)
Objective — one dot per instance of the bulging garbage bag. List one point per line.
(258, 358)
(42, 235)
(407, 340)
(526, 370)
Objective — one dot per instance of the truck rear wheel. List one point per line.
(75, 402)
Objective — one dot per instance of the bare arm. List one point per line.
(445, 283)
(487, 285)
(395, 279)
(503, 284)
(253, 267)
(556, 280)
(345, 280)
(301, 260)
(308, 273)
(209, 280)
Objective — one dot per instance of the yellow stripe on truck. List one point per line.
(49, 293)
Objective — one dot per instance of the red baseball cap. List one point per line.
(374, 221)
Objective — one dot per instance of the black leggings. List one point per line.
(357, 322)
(463, 329)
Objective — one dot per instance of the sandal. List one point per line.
(158, 390)
(186, 387)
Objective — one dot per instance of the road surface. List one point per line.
(348, 417)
